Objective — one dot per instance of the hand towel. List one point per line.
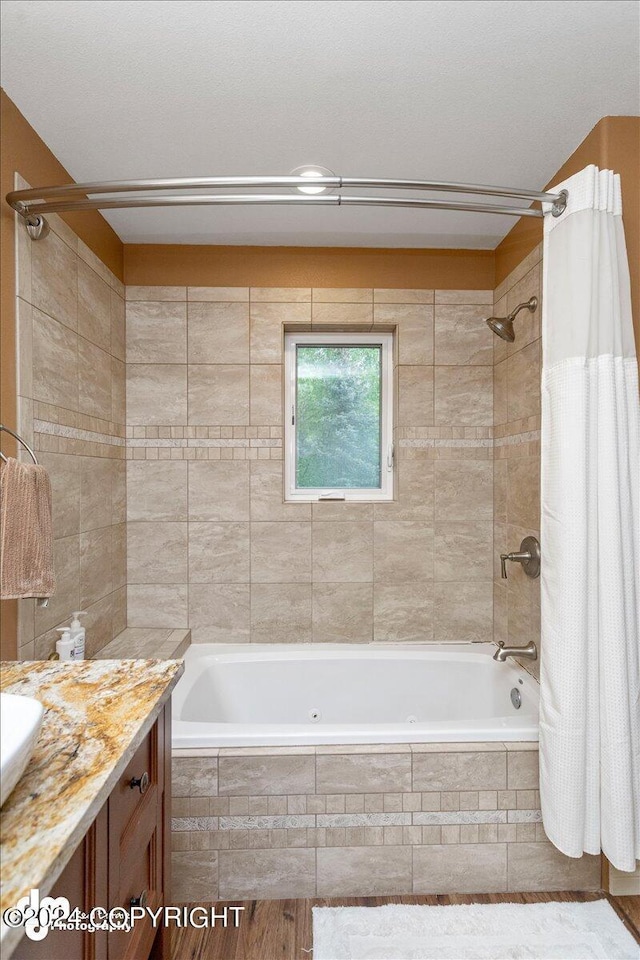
(26, 534)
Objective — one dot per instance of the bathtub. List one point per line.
(308, 694)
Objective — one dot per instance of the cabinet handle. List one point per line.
(142, 783)
(139, 901)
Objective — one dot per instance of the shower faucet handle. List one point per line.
(528, 556)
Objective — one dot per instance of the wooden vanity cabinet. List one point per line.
(124, 855)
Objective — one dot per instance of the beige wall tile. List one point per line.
(219, 489)
(267, 874)
(523, 377)
(118, 555)
(415, 330)
(66, 564)
(218, 393)
(463, 611)
(95, 566)
(157, 605)
(54, 280)
(464, 396)
(527, 324)
(267, 321)
(118, 391)
(280, 294)
(94, 380)
(403, 612)
(267, 490)
(415, 395)
(194, 777)
(403, 551)
(342, 612)
(219, 553)
(94, 307)
(364, 871)
(522, 770)
(194, 876)
(500, 401)
(118, 325)
(460, 771)
(539, 866)
(464, 296)
(64, 473)
(266, 393)
(523, 492)
(157, 490)
(218, 333)
(156, 552)
(266, 776)
(156, 332)
(280, 612)
(342, 552)
(156, 293)
(95, 492)
(118, 491)
(55, 362)
(341, 510)
(464, 490)
(462, 336)
(216, 294)
(414, 492)
(387, 295)
(24, 349)
(460, 868)
(363, 773)
(219, 613)
(281, 552)
(99, 624)
(157, 393)
(342, 295)
(464, 551)
(341, 313)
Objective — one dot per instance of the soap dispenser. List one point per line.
(65, 647)
(78, 633)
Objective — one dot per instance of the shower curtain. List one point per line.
(590, 530)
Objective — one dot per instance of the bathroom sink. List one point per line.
(20, 722)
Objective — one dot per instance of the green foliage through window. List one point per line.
(338, 409)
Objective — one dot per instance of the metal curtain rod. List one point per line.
(33, 203)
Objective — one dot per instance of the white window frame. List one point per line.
(385, 491)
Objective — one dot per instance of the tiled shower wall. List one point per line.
(516, 417)
(212, 546)
(374, 820)
(71, 387)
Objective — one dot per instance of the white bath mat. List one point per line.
(497, 931)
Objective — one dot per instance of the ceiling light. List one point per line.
(313, 170)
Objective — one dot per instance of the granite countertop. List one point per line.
(97, 712)
(137, 643)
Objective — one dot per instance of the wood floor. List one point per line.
(281, 929)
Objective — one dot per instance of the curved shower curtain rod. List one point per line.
(33, 203)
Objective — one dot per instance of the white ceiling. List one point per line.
(487, 92)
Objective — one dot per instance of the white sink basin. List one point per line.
(20, 722)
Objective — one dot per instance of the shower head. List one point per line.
(503, 326)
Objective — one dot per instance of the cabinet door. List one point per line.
(84, 883)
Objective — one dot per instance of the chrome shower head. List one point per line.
(503, 326)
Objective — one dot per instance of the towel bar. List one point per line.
(20, 440)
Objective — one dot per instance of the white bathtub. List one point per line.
(304, 694)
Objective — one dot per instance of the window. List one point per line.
(339, 416)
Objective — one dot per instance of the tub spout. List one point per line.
(530, 652)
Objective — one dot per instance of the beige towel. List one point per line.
(26, 537)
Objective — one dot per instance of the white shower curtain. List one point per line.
(590, 530)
